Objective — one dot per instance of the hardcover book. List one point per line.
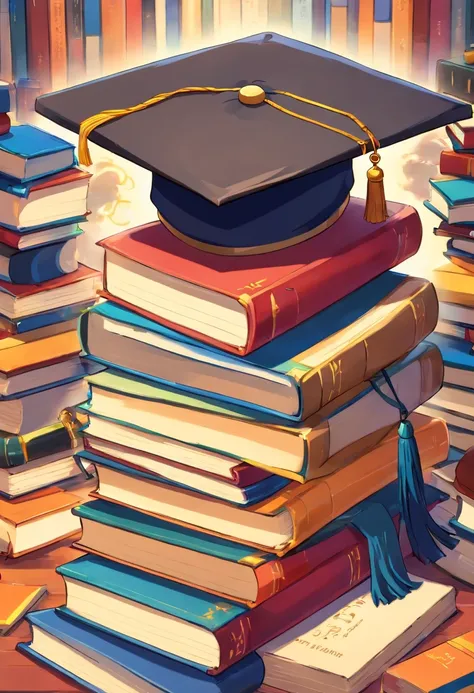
(39, 264)
(459, 164)
(454, 285)
(297, 373)
(15, 602)
(240, 303)
(29, 153)
(455, 77)
(452, 199)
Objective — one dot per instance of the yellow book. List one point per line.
(454, 285)
(15, 602)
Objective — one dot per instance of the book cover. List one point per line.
(455, 231)
(323, 357)
(22, 290)
(272, 574)
(302, 280)
(29, 142)
(421, 37)
(114, 34)
(23, 189)
(402, 36)
(37, 265)
(456, 191)
(18, 39)
(446, 668)
(150, 669)
(47, 318)
(15, 601)
(18, 511)
(134, 29)
(454, 285)
(455, 78)
(149, 26)
(457, 164)
(440, 33)
(38, 43)
(58, 47)
(20, 241)
(456, 353)
(463, 133)
(76, 46)
(26, 356)
(316, 503)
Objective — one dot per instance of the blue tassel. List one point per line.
(389, 577)
(422, 530)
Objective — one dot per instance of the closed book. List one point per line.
(30, 153)
(324, 653)
(18, 39)
(51, 470)
(149, 26)
(44, 201)
(460, 259)
(456, 164)
(5, 123)
(262, 300)
(383, 10)
(456, 78)
(421, 39)
(227, 11)
(366, 30)
(454, 285)
(216, 565)
(114, 34)
(457, 359)
(93, 38)
(289, 518)
(463, 132)
(134, 29)
(37, 520)
(38, 43)
(459, 32)
(440, 33)
(338, 32)
(452, 199)
(191, 18)
(25, 355)
(49, 322)
(39, 264)
(446, 668)
(101, 658)
(455, 231)
(15, 602)
(402, 36)
(76, 45)
(36, 239)
(297, 373)
(58, 46)
(302, 450)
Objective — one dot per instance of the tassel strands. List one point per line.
(375, 205)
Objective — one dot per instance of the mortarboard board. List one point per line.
(251, 143)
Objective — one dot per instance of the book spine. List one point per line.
(16, 451)
(160, 25)
(302, 19)
(6, 68)
(114, 41)
(402, 36)
(37, 34)
(383, 44)
(339, 29)
(291, 606)
(134, 29)
(149, 28)
(455, 164)
(421, 37)
(415, 320)
(319, 11)
(280, 14)
(207, 10)
(383, 10)
(38, 264)
(191, 18)
(58, 49)
(4, 123)
(273, 312)
(76, 48)
(366, 30)
(353, 27)
(18, 39)
(458, 27)
(92, 39)
(440, 34)
(173, 23)
(455, 80)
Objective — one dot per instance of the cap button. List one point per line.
(251, 95)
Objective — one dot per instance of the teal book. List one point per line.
(452, 199)
(28, 153)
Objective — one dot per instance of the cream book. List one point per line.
(350, 643)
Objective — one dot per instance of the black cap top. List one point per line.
(242, 163)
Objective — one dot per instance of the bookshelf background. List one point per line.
(50, 44)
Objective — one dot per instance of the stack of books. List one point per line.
(43, 291)
(452, 200)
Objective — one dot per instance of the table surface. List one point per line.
(19, 674)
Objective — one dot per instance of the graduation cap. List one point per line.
(251, 143)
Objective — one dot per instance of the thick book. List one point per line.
(465, 232)
(454, 285)
(446, 668)
(223, 567)
(46, 323)
(240, 303)
(22, 300)
(15, 601)
(104, 662)
(454, 77)
(459, 164)
(297, 373)
(21, 355)
(38, 264)
(349, 644)
(285, 521)
(59, 197)
(36, 239)
(26, 523)
(452, 199)
(301, 450)
(51, 470)
(457, 358)
(30, 153)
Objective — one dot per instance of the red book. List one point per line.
(456, 164)
(134, 28)
(58, 47)
(4, 123)
(114, 35)
(269, 293)
(455, 231)
(23, 290)
(462, 133)
(421, 39)
(440, 32)
(38, 49)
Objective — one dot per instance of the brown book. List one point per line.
(459, 164)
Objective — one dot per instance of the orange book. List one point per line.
(454, 284)
(339, 29)
(191, 21)
(402, 36)
(447, 668)
(17, 354)
(57, 44)
(114, 41)
(37, 520)
(366, 30)
(15, 601)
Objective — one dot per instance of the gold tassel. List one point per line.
(375, 206)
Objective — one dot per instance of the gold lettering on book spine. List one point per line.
(275, 311)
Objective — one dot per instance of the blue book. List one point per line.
(249, 495)
(28, 153)
(383, 11)
(5, 105)
(44, 319)
(38, 265)
(461, 254)
(173, 23)
(97, 652)
(452, 199)
(353, 26)
(18, 39)
(92, 19)
(292, 376)
(456, 353)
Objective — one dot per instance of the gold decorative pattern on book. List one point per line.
(253, 286)
(275, 311)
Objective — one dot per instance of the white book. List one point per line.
(350, 643)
